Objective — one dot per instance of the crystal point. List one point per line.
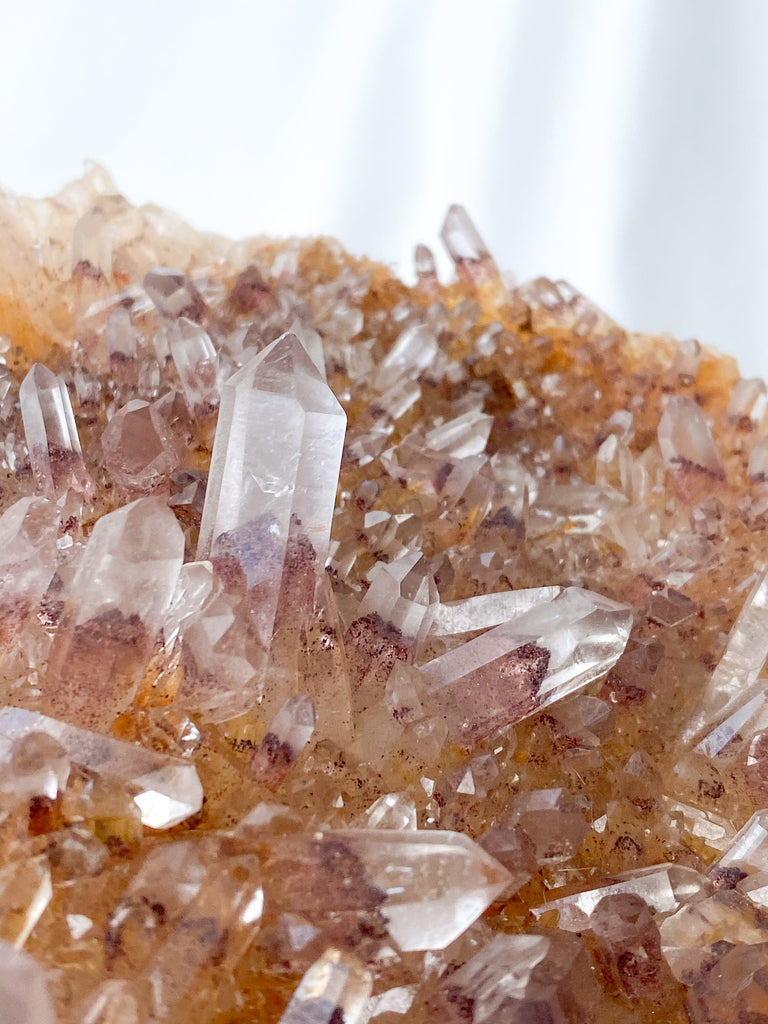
(516, 668)
(465, 246)
(166, 789)
(119, 597)
(274, 468)
(736, 680)
(28, 532)
(686, 440)
(139, 452)
(334, 989)
(425, 888)
(51, 432)
(173, 294)
(195, 359)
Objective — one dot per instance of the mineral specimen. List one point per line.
(369, 653)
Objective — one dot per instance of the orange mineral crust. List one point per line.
(370, 652)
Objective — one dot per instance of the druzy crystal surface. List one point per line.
(370, 653)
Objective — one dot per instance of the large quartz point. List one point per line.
(119, 597)
(274, 469)
(422, 888)
(511, 671)
(335, 989)
(27, 559)
(23, 993)
(51, 432)
(166, 789)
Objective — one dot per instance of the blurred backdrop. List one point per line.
(621, 144)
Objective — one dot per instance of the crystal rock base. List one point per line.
(369, 652)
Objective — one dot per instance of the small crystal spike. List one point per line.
(139, 451)
(664, 887)
(465, 247)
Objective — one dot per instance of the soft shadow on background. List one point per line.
(621, 144)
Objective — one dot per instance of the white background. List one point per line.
(622, 144)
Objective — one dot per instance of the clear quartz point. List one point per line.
(139, 451)
(392, 810)
(463, 436)
(52, 439)
(426, 888)
(554, 821)
(465, 246)
(514, 979)
(487, 610)
(719, 950)
(664, 887)
(414, 350)
(748, 852)
(749, 401)
(403, 593)
(515, 669)
(685, 438)
(290, 732)
(736, 681)
(122, 336)
(24, 995)
(118, 600)
(274, 469)
(312, 343)
(173, 294)
(335, 989)
(195, 360)
(28, 532)
(25, 893)
(425, 266)
(166, 789)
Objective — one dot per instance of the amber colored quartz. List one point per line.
(370, 653)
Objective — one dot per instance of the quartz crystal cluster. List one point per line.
(370, 653)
